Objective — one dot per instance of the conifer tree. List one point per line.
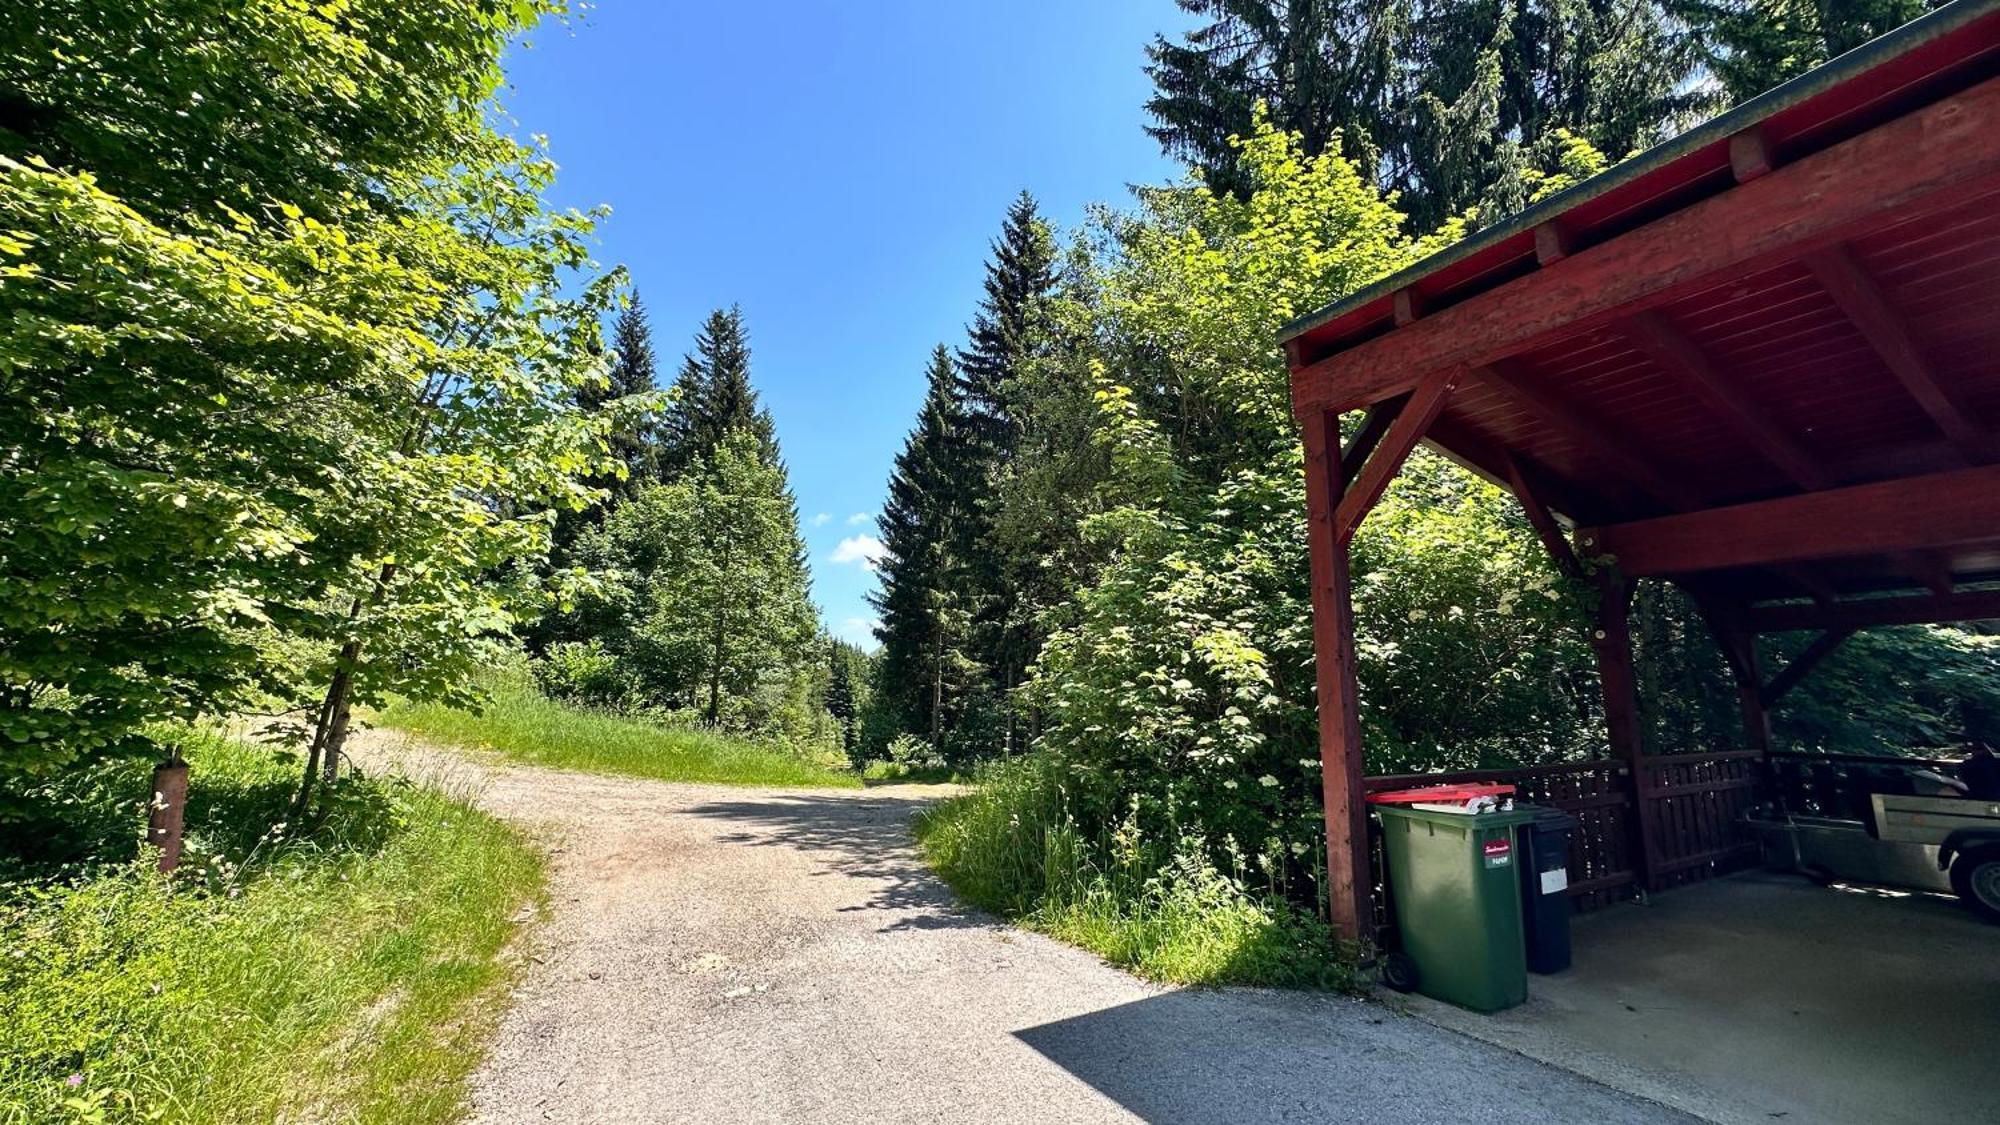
(1009, 331)
(1444, 100)
(713, 397)
(633, 371)
(1753, 45)
(923, 615)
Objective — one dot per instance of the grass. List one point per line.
(520, 724)
(903, 773)
(347, 973)
(1158, 908)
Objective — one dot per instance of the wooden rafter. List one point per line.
(1593, 434)
(1929, 159)
(1683, 360)
(1864, 613)
(1404, 433)
(1885, 330)
(1911, 514)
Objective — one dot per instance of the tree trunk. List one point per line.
(937, 691)
(715, 652)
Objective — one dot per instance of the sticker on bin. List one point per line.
(1465, 800)
(1499, 851)
(1555, 882)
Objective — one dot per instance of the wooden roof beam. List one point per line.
(1683, 360)
(1938, 155)
(1870, 312)
(1912, 514)
(1982, 605)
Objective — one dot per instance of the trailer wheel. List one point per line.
(1399, 972)
(1975, 875)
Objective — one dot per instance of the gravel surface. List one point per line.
(721, 955)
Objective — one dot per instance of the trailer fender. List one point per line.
(1964, 839)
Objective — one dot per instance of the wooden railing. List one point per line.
(1598, 794)
(1693, 812)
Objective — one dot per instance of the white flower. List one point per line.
(1268, 782)
(1230, 784)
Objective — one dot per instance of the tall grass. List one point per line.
(348, 972)
(520, 723)
(1017, 847)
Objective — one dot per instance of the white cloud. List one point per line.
(863, 549)
(858, 630)
(822, 519)
(859, 518)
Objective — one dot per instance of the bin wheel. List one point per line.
(1399, 972)
(1975, 875)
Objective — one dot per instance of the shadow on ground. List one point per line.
(866, 838)
(1252, 1056)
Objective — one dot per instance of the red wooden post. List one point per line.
(1349, 877)
(1612, 639)
(163, 825)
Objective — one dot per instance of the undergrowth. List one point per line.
(343, 970)
(1161, 908)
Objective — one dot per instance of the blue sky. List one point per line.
(838, 170)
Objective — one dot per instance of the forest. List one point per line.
(312, 405)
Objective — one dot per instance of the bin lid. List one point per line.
(1439, 794)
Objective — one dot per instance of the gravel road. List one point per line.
(724, 955)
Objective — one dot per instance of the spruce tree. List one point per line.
(1753, 45)
(923, 617)
(637, 445)
(1444, 100)
(1009, 331)
(713, 398)
(633, 372)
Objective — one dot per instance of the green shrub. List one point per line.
(1153, 903)
(581, 672)
(347, 970)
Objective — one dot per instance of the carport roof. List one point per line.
(1762, 359)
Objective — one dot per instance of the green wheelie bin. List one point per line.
(1456, 891)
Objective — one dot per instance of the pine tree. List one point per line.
(1443, 100)
(712, 396)
(1753, 45)
(923, 617)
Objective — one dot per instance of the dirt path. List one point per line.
(721, 955)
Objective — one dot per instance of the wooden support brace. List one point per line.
(1802, 666)
(1375, 424)
(1541, 519)
(1404, 434)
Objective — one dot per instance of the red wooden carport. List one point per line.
(1761, 361)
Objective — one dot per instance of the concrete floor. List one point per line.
(1764, 998)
